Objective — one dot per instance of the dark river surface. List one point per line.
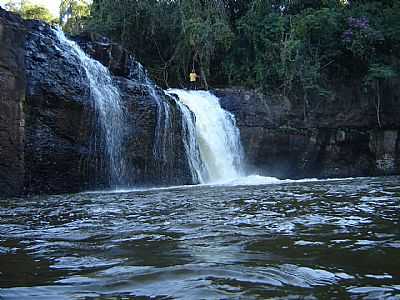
(300, 240)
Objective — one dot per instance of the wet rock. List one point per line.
(60, 119)
(166, 164)
(148, 163)
(49, 139)
(113, 56)
(12, 101)
(339, 138)
(384, 145)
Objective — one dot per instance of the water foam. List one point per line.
(217, 135)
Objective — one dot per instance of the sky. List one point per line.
(52, 5)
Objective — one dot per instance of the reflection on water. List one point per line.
(307, 240)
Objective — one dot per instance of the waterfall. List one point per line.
(162, 132)
(192, 150)
(110, 115)
(217, 136)
(163, 138)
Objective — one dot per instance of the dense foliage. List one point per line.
(74, 15)
(30, 11)
(281, 46)
(169, 37)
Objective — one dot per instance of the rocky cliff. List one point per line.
(49, 140)
(12, 99)
(337, 137)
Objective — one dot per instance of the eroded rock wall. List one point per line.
(12, 102)
(338, 138)
(167, 165)
(49, 139)
(60, 149)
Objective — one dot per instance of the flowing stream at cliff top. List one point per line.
(107, 102)
(217, 136)
(299, 240)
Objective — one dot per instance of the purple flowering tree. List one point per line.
(360, 38)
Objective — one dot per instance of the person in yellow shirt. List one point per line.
(193, 79)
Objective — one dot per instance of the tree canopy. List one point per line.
(30, 11)
(281, 46)
(74, 15)
(277, 45)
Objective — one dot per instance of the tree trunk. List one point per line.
(203, 77)
(378, 104)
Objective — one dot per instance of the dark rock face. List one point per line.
(340, 138)
(59, 119)
(49, 139)
(113, 56)
(12, 101)
(147, 167)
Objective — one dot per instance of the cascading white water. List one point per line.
(162, 132)
(163, 138)
(107, 102)
(192, 150)
(217, 136)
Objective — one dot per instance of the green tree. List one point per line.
(150, 29)
(74, 15)
(291, 47)
(206, 32)
(377, 75)
(168, 36)
(30, 11)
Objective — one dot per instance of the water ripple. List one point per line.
(308, 240)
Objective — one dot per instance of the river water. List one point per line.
(291, 240)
